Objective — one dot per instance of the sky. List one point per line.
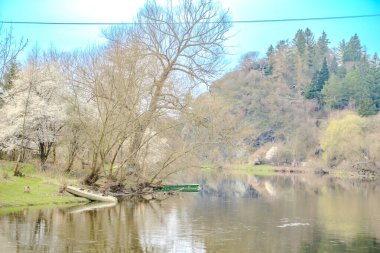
(244, 37)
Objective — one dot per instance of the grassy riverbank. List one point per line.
(43, 190)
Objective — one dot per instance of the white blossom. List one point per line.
(37, 102)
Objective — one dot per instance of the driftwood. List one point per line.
(144, 190)
(147, 194)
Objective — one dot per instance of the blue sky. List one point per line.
(246, 37)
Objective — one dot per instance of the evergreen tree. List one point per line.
(372, 81)
(363, 64)
(322, 49)
(334, 93)
(9, 76)
(341, 50)
(270, 54)
(270, 51)
(366, 106)
(324, 73)
(310, 47)
(8, 79)
(310, 41)
(311, 93)
(352, 50)
(318, 81)
(281, 44)
(323, 44)
(375, 60)
(300, 42)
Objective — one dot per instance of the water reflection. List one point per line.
(231, 214)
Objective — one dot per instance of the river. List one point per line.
(240, 213)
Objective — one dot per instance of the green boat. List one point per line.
(180, 188)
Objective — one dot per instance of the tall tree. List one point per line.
(372, 81)
(270, 51)
(310, 40)
(375, 60)
(352, 49)
(270, 54)
(323, 44)
(324, 73)
(341, 51)
(9, 50)
(300, 41)
(322, 48)
(318, 81)
(366, 105)
(310, 46)
(171, 50)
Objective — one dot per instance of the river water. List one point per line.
(231, 214)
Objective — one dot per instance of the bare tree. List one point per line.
(103, 104)
(9, 49)
(176, 49)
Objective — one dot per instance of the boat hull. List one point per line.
(90, 195)
(181, 188)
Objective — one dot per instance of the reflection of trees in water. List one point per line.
(333, 208)
(250, 225)
(56, 230)
(16, 224)
(168, 226)
(227, 185)
(345, 208)
(128, 227)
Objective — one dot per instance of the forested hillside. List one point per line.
(309, 103)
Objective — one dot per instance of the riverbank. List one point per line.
(264, 170)
(36, 188)
(30, 190)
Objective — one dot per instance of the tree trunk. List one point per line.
(70, 164)
(54, 154)
(17, 172)
(92, 177)
(72, 154)
(95, 171)
(134, 149)
(43, 159)
(44, 149)
(137, 140)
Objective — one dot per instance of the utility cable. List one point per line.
(232, 21)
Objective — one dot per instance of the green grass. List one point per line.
(15, 209)
(42, 190)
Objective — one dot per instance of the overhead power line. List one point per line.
(232, 21)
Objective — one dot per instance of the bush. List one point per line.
(344, 140)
